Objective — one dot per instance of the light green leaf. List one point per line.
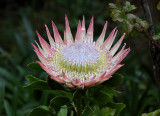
(112, 5)
(63, 111)
(155, 113)
(109, 111)
(106, 111)
(131, 16)
(156, 37)
(128, 7)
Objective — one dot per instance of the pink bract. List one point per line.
(80, 62)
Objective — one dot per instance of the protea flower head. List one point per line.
(80, 62)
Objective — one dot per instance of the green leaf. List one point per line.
(108, 111)
(155, 113)
(2, 95)
(34, 65)
(128, 3)
(131, 16)
(38, 85)
(63, 111)
(110, 91)
(158, 6)
(115, 80)
(142, 23)
(128, 7)
(112, 5)
(118, 106)
(58, 101)
(128, 25)
(156, 37)
(31, 78)
(53, 84)
(41, 111)
(87, 111)
(102, 98)
(8, 108)
(60, 93)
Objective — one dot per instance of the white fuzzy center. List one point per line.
(80, 53)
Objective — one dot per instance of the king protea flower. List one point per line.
(80, 62)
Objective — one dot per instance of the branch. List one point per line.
(154, 49)
(151, 38)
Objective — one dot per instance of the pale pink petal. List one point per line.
(57, 36)
(39, 54)
(51, 41)
(83, 30)
(89, 35)
(109, 75)
(65, 40)
(76, 82)
(69, 36)
(40, 49)
(100, 40)
(90, 82)
(119, 53)
(65, 78)
(58, 79)
(116, 46)
(78, 34)
(123, 55)
(96, 80)
(44, 44)
(111, 72)
(108, 42)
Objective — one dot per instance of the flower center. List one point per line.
(80, 54)
(80, 57)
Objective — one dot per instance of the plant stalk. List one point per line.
(79, 103)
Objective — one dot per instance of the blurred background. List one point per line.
(19, 20)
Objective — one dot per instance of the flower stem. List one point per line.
(79, 103)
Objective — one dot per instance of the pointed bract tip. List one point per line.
(53, 24)
(38, 33)
(92, 19)
(66, 18)
(79, 23)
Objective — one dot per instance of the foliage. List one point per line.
(155, 113)
(122, 14)
(156, 37)
(96, 101)
(158, 5)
